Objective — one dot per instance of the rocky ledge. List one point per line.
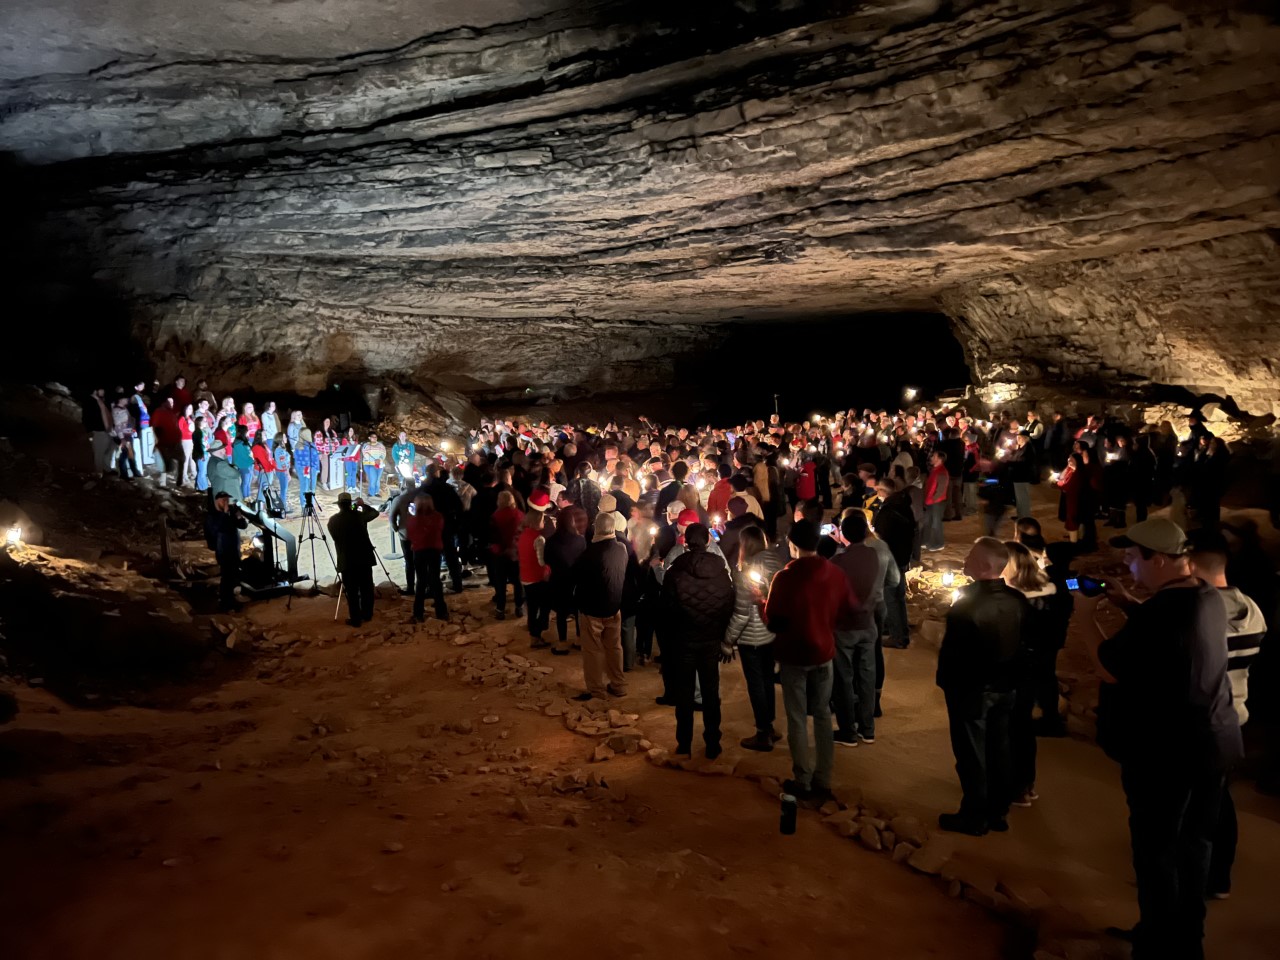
(1088, 189)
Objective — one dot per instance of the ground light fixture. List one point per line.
(910, 393)
(13, 536)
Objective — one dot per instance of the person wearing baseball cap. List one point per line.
(349, 530)
(222, 532)
(1165, 713)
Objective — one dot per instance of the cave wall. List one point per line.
(574, 199)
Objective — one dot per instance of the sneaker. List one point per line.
(862, 739)
(539, 644)
(614, 691)
(818, 796)
(681, 751)
(998, 824)
(1219, 895)
(955, 823)
(519, 612)
(796, 789)
(664, 702)
(761, 744)
(775, 736)
(584, 697)
(500, 615)
(845, 739)
(1026, 799)
(714, 752)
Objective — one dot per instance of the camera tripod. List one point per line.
(310, 532)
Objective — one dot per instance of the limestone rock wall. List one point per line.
(576, 199)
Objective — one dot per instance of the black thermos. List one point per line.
(787, 824)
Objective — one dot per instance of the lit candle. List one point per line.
(755, 576)
(13, 536)
(948, 578)
(715, 520)
(1055, 476)
(653, 531)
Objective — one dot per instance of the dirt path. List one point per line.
(321, 811)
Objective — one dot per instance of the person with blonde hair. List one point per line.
(1044, 633)
(748, 636)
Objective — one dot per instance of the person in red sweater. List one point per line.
(718, 500)
(937, 489)
(809, 599)
(426, 540)
(504, 553)
(534, 571)
(264, 465)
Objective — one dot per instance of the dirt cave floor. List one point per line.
(397, 789)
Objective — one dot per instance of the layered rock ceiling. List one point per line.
(291, 193)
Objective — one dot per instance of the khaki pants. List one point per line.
(602, 654)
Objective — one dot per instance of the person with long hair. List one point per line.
(748, 635)
(561, 552)
(249, 420)
(201, 438)
(425, 527)
(1044, 633)
(535, 574)
(327, 441)
(504, 556)
(351, 460)
(1070, 483)
(186, 434)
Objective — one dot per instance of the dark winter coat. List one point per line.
(697, 600)
(599, 576)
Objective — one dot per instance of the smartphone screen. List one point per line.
(828, 529)
(1073, 583)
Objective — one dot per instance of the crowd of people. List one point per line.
(788, 547)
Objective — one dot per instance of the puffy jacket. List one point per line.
(745, 626)
(697, 600)
(585, 493)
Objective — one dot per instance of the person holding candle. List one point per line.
(748, 636)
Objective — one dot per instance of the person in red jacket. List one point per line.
(807, 481)
(534, 571)
(264, 465)
(426, 539)
(808, 600)
(504, 554)
(937, 489)
(718, 500)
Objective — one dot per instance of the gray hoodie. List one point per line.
(1245, 629)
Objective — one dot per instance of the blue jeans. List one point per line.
(374, 477)
(306, 484)
(246, 483)
(854, 690)
(806, 691)
(282, 481)
(932, 538)
(202, 473)
(352, 470)
(757, 670)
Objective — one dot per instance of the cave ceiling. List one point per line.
(472, 192)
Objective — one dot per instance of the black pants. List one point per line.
(646, 617)
(538, 596)
(562, 604)
(1225, 837)
(979, 723)
(358, 582)
(685, 668)
(427, 567)
(1022, 739)
(230, 569)
(1173, 811)
(757, 670)
(1043, 667)
(453, 560)
(771, 520)
(504, 570)
(406, 551)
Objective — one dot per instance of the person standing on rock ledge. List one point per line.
(349, 528)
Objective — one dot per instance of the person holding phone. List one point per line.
(1165, 713)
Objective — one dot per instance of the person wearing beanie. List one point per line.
(808, 601)
(599, 576)
(696, 605)
(1165, 713)
(609, 505)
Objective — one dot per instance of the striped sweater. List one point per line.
(1245, 629)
